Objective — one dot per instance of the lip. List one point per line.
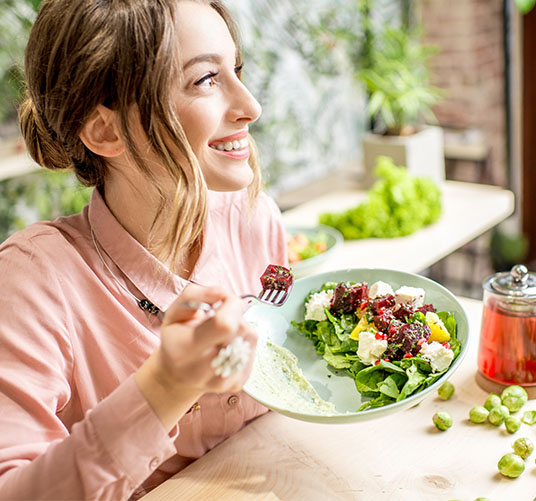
(233, 137)
(242, 154)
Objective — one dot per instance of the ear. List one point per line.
(101, 133)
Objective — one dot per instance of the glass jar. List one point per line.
(507, 350)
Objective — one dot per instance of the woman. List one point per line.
(100, 398)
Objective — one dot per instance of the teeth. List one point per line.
(231, 145)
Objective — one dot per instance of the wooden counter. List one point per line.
(397, 458)
(468, 211)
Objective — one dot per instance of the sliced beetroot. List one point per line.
(382, 302)
(347, 298)
(276, 277)
(426, 308)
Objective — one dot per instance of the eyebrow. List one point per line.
(213, 58)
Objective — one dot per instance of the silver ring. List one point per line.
(233, 358)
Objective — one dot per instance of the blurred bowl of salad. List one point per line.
(309, 247)
(356, 344)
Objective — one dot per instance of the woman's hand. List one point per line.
(180, 370)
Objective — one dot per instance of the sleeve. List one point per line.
(106, 455)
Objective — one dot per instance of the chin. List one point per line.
(231, 182)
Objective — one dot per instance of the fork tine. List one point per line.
(283, 298)
(268, 294)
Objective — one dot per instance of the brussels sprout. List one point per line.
(514, 397)
(493, 400)
(511, 465)
(445, 391)
(442, 420)
(512, 424)
(529, 417)
(478, 414)
(523, 447)
(497, 415)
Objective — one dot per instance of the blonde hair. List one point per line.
(118, 53)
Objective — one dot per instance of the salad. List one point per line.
(390, 342)
(301, 247)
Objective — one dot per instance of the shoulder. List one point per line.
(46, 238)
(42, 254)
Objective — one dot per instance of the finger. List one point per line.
(193, 293)
(223, 326)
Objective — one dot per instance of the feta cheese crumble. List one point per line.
(412, 296)
(370, 349)
(379, 289)
(314, 309)
(440, 356)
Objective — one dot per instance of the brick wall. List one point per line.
(470, 67)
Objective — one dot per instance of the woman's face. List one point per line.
(214, 107)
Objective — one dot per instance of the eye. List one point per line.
(238, 70)
(206, 80)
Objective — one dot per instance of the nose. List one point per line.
(243, 106)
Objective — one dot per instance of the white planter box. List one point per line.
(421, 153)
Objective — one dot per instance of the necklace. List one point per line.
(144, 304)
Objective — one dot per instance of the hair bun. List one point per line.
(41, 141)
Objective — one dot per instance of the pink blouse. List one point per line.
(73, 424)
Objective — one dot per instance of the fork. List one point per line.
(275, 297)
(276, 283)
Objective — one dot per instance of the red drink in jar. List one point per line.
(507, 351)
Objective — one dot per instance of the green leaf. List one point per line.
(379, 401)
(368, 379)
(398, 204)
(337, 361)
(389, 387)
(415, 379)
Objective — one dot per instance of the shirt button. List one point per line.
(233, 400)
(153, 464)
(194, 407)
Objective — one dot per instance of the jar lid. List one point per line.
(518, 282)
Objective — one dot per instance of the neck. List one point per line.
(136, 210)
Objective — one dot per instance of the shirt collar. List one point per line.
(151, 277)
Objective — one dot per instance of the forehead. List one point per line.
(201, 30)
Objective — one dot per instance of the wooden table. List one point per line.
(397, 458)
(469, 210)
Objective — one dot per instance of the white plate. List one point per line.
(334, 385)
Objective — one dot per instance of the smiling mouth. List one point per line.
(235, 145)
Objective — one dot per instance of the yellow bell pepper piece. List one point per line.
(438, 334)
(362, 325)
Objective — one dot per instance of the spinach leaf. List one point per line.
(336, 360)
(368, 379)
(389, 386)
(379, 401)
(415, 379)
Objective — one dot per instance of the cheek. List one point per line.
(198, 124)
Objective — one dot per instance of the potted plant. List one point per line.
(396, 77)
